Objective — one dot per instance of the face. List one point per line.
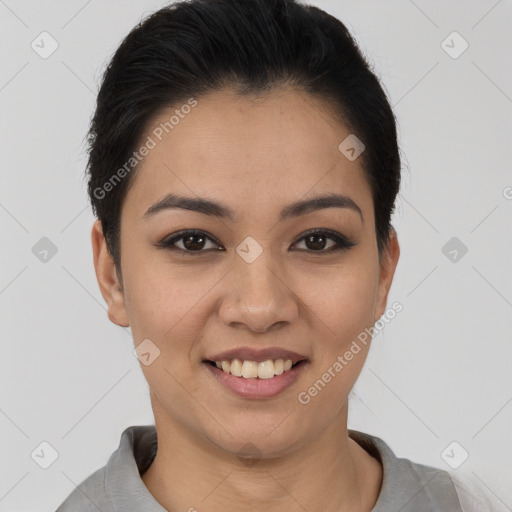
(255, 280)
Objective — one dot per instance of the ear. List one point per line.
(107, 278)
(388, 265)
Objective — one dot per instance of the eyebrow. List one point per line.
(212, 208)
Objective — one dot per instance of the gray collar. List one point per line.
(406, 486)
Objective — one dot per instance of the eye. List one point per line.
(317, 239)
(193, 241)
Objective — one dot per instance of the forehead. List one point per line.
(249, 151)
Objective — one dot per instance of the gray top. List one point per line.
(118, 487)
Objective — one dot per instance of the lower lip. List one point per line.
(257, 388)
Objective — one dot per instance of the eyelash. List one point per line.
(343, 242)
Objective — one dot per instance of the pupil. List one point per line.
(320, 245)
(191, 245)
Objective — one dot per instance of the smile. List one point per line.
(252, 369)
(276, 376)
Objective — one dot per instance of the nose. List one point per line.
(258, 297)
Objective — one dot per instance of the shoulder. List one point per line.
(413, 487)
(473, 496)
(89, 496)
(406, 485)
(118, 485)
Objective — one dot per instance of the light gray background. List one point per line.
(439, 372)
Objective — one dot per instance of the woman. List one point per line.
(243, 168)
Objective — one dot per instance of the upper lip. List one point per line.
(258, 355)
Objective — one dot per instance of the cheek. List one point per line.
(161, 300)
(171, 309)
(340, 300)
(167, 308)
(353, 311)
(344, 316)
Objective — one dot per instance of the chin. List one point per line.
(259, 438)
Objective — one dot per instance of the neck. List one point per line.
(330, 473)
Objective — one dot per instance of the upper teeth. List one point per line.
(252, 369)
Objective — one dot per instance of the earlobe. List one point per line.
(387, 271)
(107, 278)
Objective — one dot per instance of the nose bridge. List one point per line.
(255, 272)
(260, 296)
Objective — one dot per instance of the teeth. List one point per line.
(278, 367)
(249, 369)
(236, 368)
(252, 369)
(266, 369)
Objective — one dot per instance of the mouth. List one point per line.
(256, 374)
(250, 369)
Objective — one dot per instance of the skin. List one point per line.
(255, 155)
